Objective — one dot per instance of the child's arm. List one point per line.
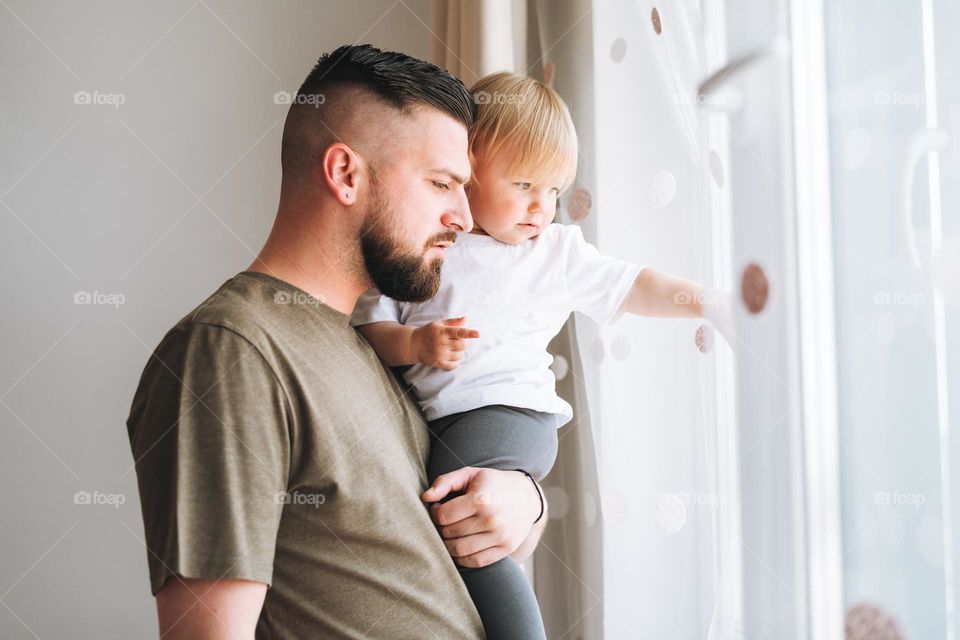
(662, 295)
(437, 344)
(656, 294)
(391, 340)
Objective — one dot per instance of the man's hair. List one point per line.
(395, 79)
(526, 121)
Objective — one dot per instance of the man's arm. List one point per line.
(193, 609)
(493, 518)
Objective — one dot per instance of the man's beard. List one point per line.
(397, 271)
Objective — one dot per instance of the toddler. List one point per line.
(478, 348)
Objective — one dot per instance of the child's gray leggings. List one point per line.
(498, 437)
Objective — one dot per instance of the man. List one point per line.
(272, 447)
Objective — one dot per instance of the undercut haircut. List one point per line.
(394, 79)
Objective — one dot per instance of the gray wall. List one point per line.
(147, 206)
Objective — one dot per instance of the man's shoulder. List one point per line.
(241, 305)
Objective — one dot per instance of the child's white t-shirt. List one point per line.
(518, 297)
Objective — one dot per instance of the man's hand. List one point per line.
(490, 521)
(441, 343)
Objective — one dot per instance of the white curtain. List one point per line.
(643, 536)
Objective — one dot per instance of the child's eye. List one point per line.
(524, 186)
(441, 185)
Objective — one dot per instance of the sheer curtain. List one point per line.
(660, 392)
(644, 524)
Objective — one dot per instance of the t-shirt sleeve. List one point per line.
(372, 306)
(596, 284)
(209, 432)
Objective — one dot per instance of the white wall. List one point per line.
(158, 200)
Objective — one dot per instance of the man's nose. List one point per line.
(458, 217)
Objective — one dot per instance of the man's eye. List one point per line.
(441, 185)
(524, 186)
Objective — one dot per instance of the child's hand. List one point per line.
(441, 343)
(719, 311)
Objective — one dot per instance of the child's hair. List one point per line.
(528, 120)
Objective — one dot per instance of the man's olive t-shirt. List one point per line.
(271, 444)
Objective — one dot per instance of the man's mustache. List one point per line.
(446, 236)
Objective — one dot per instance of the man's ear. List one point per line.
(341, 172)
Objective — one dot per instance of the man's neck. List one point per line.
(320, 264)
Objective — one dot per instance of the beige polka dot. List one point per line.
(704, 338)
(615, 507)
(549, 71)
(754, 288)
(579, 205)
(662, 189)
(867, 621)
(618, 50)
(655, 19)
(671, 513)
